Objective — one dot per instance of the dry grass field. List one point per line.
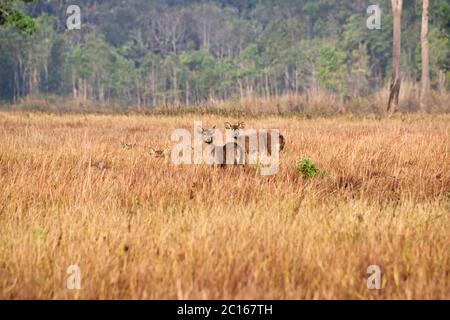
(140, 227)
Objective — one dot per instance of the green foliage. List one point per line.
(307, 168)
(200, 71)
(331, 67)
(440, 13)
(156, 53)
(9, 15)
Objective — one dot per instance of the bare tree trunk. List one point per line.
(397, 6)
(275, 85)
(267, 88)
(74, 88)
(46, 76)
(34, 82)
(425, 59)
(101, 93)
(175, 86)
(187, 92)
(138, 93)
(296, 81)
(154, 102)
(241, 89)
(83, 85)
(15, 86)
(287, 80)
(22, 77)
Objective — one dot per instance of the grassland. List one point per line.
(140, 227)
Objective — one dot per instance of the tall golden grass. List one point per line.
(141, 228)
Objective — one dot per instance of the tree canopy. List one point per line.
(142, 52)
(10, 15)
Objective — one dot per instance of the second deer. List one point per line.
(224, 154)
(237, 132)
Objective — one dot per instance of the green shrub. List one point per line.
(307, 168)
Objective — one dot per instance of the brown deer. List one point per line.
(223, 152)
(128, 146)
(159, 153)
(237, 133)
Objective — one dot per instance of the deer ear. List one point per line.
(152, 151)
(200, 130)
(166, 152)
(227, 125)
(241, 125)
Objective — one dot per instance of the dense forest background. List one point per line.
(146, 53)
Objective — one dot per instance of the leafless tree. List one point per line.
(397, 6)
(425, 59)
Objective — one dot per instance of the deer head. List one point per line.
(207, 134)
(235, 128)
(128, 146)
(159, 153)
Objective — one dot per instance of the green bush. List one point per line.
(307, 168)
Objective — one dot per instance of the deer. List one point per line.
(219, 149)
(237, 133)
(159, 153)
(128, 146)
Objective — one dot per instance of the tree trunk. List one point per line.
(287, 81)
(154, 102)
(296, 81)
(138, 93)
(22, 77)
(34, 82)
(46, 76)
(187, 93)
(15, 85)
(101, 93)
(175, 86)
(84, 88)
(241, 89)
(266, 77)
(425, 60)
(397, 6)
(74, 88)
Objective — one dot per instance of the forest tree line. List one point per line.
(150, 53)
